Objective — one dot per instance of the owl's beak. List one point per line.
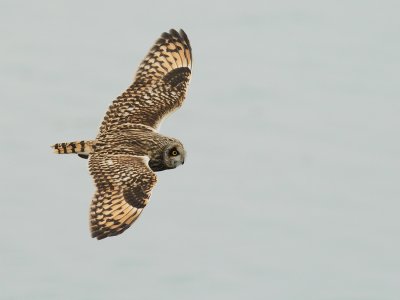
(183, 162)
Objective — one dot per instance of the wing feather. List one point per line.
(159, 87)
(124, 184)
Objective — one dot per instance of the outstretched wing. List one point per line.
(159, 87)
(124, 184)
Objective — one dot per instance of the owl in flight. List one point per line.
(128, 149)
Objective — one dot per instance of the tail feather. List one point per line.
(82, 148)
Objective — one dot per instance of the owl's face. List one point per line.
(174, 155)
(168, 157)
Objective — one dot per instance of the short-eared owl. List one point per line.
(128, 148)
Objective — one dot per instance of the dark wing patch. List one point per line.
(177, 78)
(159, 86)
(124, 185)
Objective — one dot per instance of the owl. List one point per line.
(128, 149)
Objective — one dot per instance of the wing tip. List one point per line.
(185, 37)
(174, 34)
(179, 35)
(101, 234)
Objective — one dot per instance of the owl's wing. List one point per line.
(124, 184)
(159, 86)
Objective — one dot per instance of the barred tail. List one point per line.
(82, 148)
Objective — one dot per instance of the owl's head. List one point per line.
(169, 156)
(174, 155)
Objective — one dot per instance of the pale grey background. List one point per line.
(291, 186)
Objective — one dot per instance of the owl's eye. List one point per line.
(174, 153)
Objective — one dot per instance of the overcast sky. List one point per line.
(290, 189)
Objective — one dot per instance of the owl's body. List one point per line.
(128, 148)
(141, 142)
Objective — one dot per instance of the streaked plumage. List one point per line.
(128, 148)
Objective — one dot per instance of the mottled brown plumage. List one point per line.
(159, 86)
(128, 148)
